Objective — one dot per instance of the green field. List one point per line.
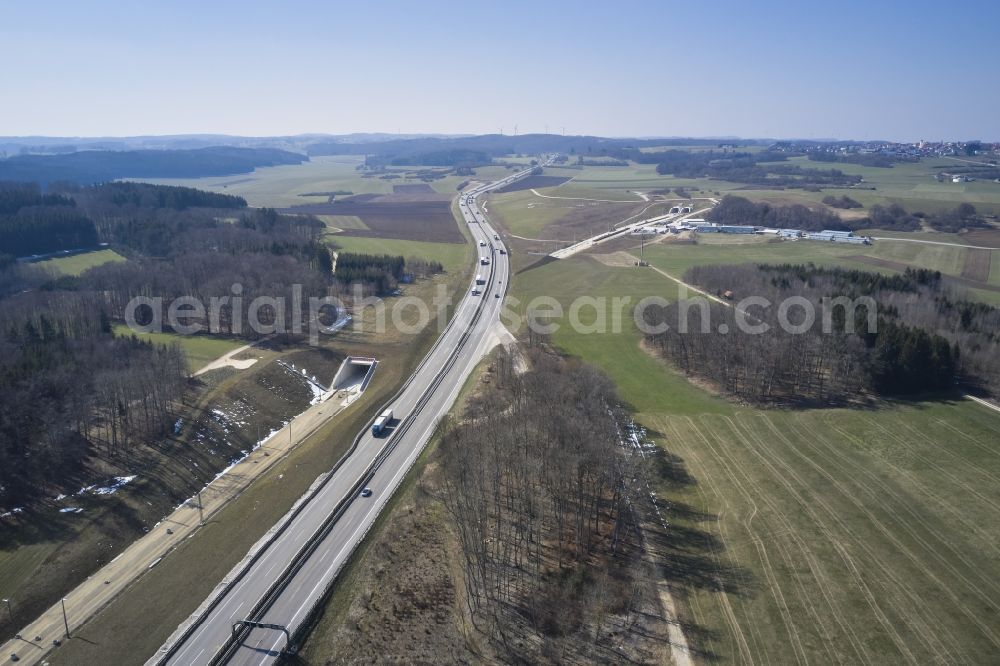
(199, 349)
(452, 256)
(911, 185)
(621, 183)
(617, 353)
(337, 223)
(841, 536)
(823, 536)
(524, 214)
(677, 259)
(78, 263)
(292, 185)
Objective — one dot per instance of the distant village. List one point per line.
(891, 149)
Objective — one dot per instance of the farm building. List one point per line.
(724, 229)
(789, 233)
(838, 237)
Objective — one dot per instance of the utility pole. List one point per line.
(10, 611)
(65, 620)
(201, 511)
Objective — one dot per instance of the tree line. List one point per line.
(926, 336)
(739, 210)
(878, 160)
(895, 217)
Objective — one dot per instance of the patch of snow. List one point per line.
(111, 489)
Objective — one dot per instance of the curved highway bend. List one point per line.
(417, 410)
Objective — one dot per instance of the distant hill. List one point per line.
(51, 145)
(449, 150)
(95, 166)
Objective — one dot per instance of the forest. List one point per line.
(68, 386)
(539, 493)
(963, 216)
(70, 217)
(379, 273)
(844, 202)
(926, 337)
(738, 210)
(43, 229)
(87, 167)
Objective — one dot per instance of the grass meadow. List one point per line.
(451, 255)
(199, 349)
(78, 263)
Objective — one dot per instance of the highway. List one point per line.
(291, 573)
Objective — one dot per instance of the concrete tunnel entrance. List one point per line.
(353, 377)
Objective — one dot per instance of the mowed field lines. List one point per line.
(846, 537)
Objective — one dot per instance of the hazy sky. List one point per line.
(903, 70)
